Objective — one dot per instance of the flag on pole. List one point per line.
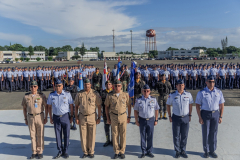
(131, 84)
(118, 69)
(104, 78)
(80, 82)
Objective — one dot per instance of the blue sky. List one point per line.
(178, 23)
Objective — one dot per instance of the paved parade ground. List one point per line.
(15, 139)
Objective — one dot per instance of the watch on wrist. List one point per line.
(25, 119)
(220, 117)
(156, 120)
(189, 115)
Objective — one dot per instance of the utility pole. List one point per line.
(131, 40)
(113, 41)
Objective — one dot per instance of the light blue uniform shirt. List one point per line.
(70, 74)
(15, 74)
(204, 72)
(146, 106)
(56, 74)
(114, 71)
(166, 73)
(84, 74)
(238, 72)
(155, 73)
(145, 73)
(184, 73)
(194, 73)
(180, 103)
(20, 73)
(209, 100)
(9, 74)
(31, 73)
(231, 72)
(26, 74)
(5, 73)
(222, 72)
(1, 74)
(175, 73)
(214, 71)
(44, 73)
(39, 73)
(60, 102)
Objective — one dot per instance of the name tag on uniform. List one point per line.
(64, 97)
(186, 97)
(152, 102)
(35, 105)
(176, 98)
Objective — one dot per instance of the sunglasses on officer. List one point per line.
(117, 85)
(211, 81)
(58, 86)
(146, 91)
(33, 86)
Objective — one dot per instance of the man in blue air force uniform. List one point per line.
(146, 117)
(210, 105)
(181, 101)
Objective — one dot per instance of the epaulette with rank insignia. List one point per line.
(152, 97)
(139, 97)
(27, 93)
(187, 91)
(172, 92)
(67, 91)
(81, 91)
(52, 92)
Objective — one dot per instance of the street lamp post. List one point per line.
(131, 40)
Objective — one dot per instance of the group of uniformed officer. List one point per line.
(67, 104)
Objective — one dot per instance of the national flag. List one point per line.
(131, 84)
(118, 69)
(104, 78)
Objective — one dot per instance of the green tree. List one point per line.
(39, 48)
(38, 58)
(82, 50)
(170, 48)
(21, 58)
(16, 59)
(77, 49)
(7, 60)
(66, 48)
(50, 58)
(2, 48)
(196, 48)
(27, 59)
(30, 49)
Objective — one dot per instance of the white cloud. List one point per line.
(23, 39)
(75, 18)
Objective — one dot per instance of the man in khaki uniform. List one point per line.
(33, 106)
(86, 102)
(116, 104)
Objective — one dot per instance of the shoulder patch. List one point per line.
(152, 97)
(187, 92)
(27, 93)
(66, 91)
(139, 97)
(52, 92)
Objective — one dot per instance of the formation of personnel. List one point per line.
(62, 106)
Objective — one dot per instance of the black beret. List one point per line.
(210, 77)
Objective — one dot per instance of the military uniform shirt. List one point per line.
(20, 73)
(214, 71)
(114, 71)
(1, 74)
(31, 73)
(15, 74)
(9, 74)
(155, 73)
(5, 73)
(39, 73)
(84, 73)
(60, 102)
(29, 101)
(146, 106)
(166, 73)
(70, 74)
(231, 72)
(34, 73)
(204, 72)
(25, 74)
(238, 72)
(184, 73)
(44, 73)
(56, 74)
(193, 73)
(175, 73)
(145, 73)
(222, 72)
(210, 100)
(180, 103)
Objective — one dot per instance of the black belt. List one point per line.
(88, 115)
(118, 114)
(34, 114)
(146, 118)
(210, 111)
(180, 116)
(60, 115)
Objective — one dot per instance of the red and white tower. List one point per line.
(150, 41)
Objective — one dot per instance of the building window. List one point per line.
(190, 52)
(182, 52)
(176, 52)
(195, 51)
(7, 54)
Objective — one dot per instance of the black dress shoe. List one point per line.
(84, 155)
(91, 155)
(33, 156)
(58, 155)
(115, 156)
(40, 156)
(177, 155)
(65, 155)
(143, 155)
(183, 154)
(206, 155)
(150, 155)
(213, 154)
(74, 128)
(106, 144)
(122, 156)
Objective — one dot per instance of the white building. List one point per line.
(18, 54)
(181, 53)
(69, 54)
(114, 55)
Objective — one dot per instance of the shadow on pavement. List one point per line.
(75, 148)
(20, 124)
